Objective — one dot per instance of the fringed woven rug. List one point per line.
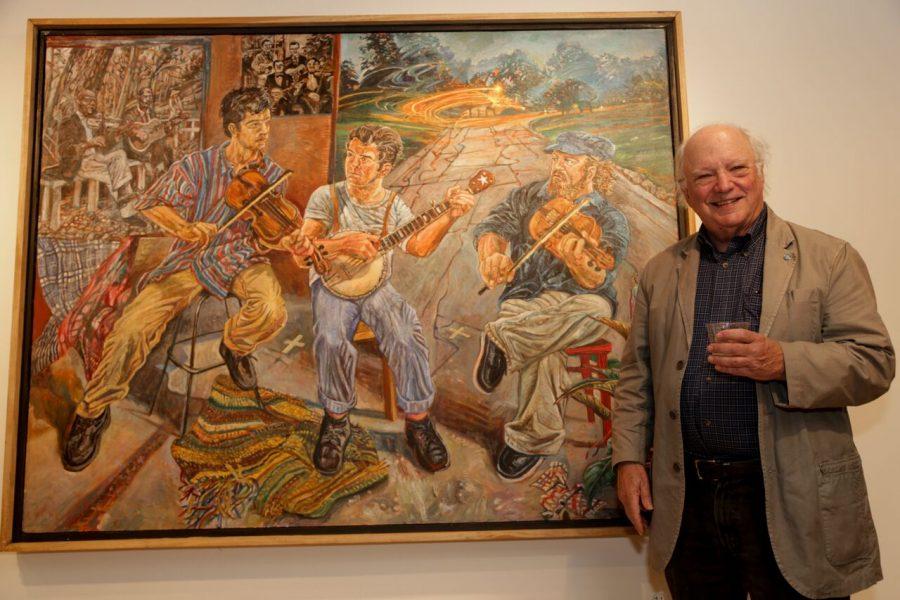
(239, 456)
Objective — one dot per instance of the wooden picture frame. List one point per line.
(190, 458)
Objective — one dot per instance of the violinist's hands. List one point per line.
(571, 247)
(197, 233)
(496, 268)
(461, 201)
(358, 245)
(574, 249)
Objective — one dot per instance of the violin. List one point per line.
(272, 216)
(600, 256)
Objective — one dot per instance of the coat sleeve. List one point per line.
(854, 362)
(632, 414)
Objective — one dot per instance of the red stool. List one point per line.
(598, 352)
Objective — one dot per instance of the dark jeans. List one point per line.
(723, 549)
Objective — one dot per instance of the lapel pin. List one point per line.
(788, 256)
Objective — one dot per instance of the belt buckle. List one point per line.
(697, 469)
(709, 461)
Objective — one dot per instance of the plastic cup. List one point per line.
(716, 326)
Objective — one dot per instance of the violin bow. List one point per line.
(547, 235)
(263, 194)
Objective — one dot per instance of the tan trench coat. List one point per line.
(818, 302)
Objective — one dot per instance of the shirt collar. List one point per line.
(738, 243)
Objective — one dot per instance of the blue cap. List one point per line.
(583, 143)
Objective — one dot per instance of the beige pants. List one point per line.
(144, 320)
(110, 167)
(533, 334)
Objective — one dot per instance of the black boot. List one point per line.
(241, 369)
(490, 366)
(512, 465)
(333, 437)
(81, 441)
(427, 445)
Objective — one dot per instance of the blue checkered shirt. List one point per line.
(718, 411)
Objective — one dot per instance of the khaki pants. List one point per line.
(533, 334)
(144, 320)
(110, 167)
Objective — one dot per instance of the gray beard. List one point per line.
(569, 191)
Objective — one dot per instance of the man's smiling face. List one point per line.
(723, 182)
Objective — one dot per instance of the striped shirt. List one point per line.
(719, 411)
(195, 188)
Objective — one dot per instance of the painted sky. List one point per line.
(539, 44)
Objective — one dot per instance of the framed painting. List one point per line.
(309, 280)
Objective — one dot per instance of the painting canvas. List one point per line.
(336, 280)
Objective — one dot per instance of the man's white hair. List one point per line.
(760, 152)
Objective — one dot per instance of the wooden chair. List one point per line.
(598, 352)
(141, 169)
(93, 191)
(388, 392)
(51, 201)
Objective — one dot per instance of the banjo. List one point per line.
(351, 278)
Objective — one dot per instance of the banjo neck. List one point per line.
(422, 221)
(478, 182)
(352, 278)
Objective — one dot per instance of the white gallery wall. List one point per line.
(819, 80)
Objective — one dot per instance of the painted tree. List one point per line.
(380, 50)
(426, 62)
(569, 94)
(349, 77)
(570, 60)
(646, 88)
(518, 75)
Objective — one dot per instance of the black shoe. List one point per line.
(512, 465)
(241, 369)
(333, 437)
(427, 445)
(490, 366)
(82, 440)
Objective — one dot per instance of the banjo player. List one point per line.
(365, 211)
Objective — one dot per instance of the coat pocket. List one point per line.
(847, 525)
(804, 312)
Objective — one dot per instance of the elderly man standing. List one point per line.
(757, 485)
(549, 300)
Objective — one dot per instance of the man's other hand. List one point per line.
(359, 245)
(461, 201)
(633, 489)
(747, 353)
(297, 244)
